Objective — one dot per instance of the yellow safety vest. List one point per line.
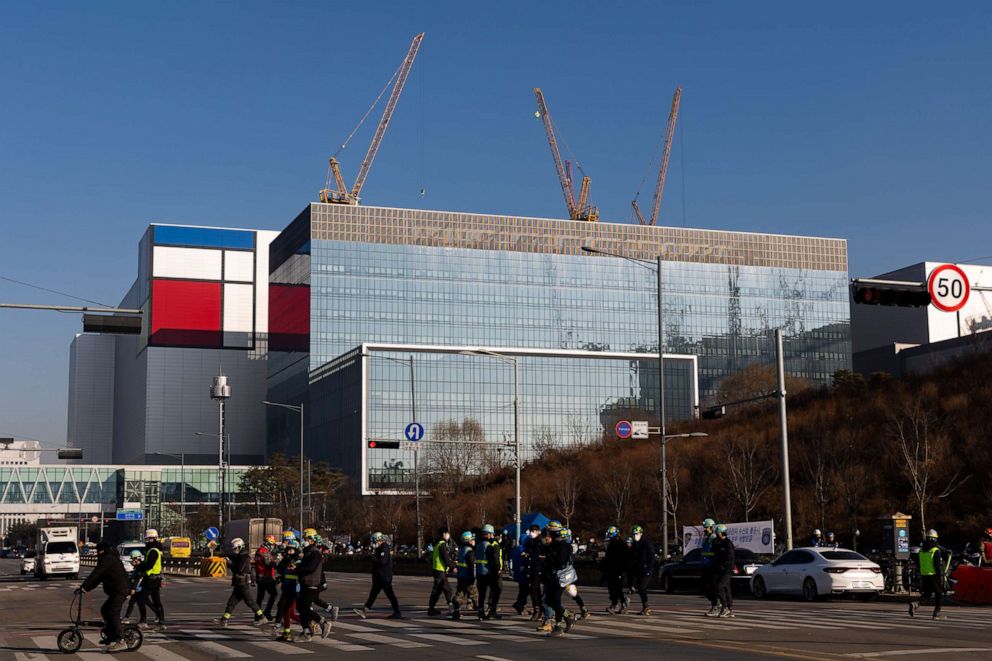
(927, 567)
(157, 567)
(438, 563)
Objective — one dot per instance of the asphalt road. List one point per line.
(33, 612)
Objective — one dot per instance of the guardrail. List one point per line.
(213, 567)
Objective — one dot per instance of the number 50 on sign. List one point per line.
(948, 287)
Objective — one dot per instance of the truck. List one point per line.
(253, 531)
(58, 554)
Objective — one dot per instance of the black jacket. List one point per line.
(533, 556)
(382, 563)
(310, 567)
(241, 568)
(723, 556)
(110, 573)
(559, 556)
(616, 562)
(642, 558)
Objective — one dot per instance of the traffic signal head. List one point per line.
(903, 297)
(384, 445)
(714, 412)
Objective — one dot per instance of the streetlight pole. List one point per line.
(416, 462)
(221, 391)
(784, 432)
(298, 409)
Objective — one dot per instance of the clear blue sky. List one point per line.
(868, 121)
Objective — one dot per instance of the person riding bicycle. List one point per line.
(111, 575)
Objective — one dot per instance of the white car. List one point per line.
(125, 552)
(819, 572)
(27, 563)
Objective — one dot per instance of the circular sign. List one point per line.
(414, 431)
(624, 429)
(95, 519)
(948, 287)
(211, 533)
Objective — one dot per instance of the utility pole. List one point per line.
(784, 431)
(221, 391)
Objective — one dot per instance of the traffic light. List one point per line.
(903, 297)
(384, 445)
(714, 412)
(118, 324)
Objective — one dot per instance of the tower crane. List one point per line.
(659, 189)
(341, 194)
(577, 210)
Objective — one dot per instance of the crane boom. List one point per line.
(583, 195)
(563, 178)
(659, 189)
(387, 114)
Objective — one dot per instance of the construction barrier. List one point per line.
(974, 584)
(214, 567)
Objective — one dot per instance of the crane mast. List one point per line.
(659, 189)
(342, 195)
(577, 210)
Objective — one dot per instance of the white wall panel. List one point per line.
(239, 266)
(238, 308)
(262, 240)
(191, 263)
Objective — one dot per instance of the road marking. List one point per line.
(47, 643)
(281, 648)
(448, 639)
(641, 626)
(392, 623)
(932, 650)
(343, 645)
(491, 658)
(386, 640)
(29, 656)
(206, 634)
(159, 653)
(219, 650)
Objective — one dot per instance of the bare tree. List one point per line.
(814, 459)
(616, 481)
(750, 471)
(567, 492)
(545, 441)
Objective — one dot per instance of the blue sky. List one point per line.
(867, 121)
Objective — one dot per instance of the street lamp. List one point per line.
(661, 380)
(220, 391)
(516, 426)
(298, 409)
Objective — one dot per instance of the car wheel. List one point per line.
(666, 584)
(758, 588)
(809, 589)
(868, 596)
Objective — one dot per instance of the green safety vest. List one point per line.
(438, 563)
(157, 567)
(499, 558)
(927, 567)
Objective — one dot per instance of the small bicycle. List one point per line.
(71, 639)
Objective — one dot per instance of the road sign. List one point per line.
(624, 429)
(130, 515)
(211, 533)
(639, 429)
(948, 287)
(95, 519)
(414, 431)
(409, 445)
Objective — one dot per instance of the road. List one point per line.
(34, 611)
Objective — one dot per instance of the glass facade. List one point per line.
(431, 281)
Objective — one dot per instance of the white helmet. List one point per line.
(151, 533)
(817, 533)
(237, 543)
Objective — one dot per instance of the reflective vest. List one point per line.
(481, 562)
(499, 559)
(708, 553)
(463, 552)
(927, 567)
(438, 562)
(157, 567)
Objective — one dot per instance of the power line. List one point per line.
(53, 291)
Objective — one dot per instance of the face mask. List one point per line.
(534, 534)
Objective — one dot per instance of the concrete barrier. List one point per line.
(214, 567)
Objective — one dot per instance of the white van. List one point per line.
(58, 554)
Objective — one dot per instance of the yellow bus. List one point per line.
(177, 547)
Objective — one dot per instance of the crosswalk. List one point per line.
(417, 631)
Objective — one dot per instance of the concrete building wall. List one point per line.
(91, 397)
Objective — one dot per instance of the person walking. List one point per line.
(571, 589)
(111, 575)
(709, 565)
(309, 572)
(525, 559)
(332, 611)
(465, 589)
(641, 566)
(289, 585)
(151, 581)
(137, 596)
(932, 570)
(615, 563)
(241, 583)
(266, 560)
(723, 562)
(442, 564)
(488, 567)
(557, 565)
(382, 577)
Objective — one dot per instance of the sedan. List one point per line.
(819, 572)
(688, 574)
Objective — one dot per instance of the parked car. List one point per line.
(27, 562)
(819, 572)
(125, 552)
(688, 573)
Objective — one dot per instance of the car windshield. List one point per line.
(60, 547)
(842, 555)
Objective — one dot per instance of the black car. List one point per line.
(688, 574)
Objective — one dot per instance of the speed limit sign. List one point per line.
(948, 287)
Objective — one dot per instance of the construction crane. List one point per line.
(340, 194)
(577, 210)
(659, 189)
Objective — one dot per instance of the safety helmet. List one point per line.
(566, 534)
(721, 528)
(468, 536)
(988, 532)
(817, 533)
(270, 539)
(293, 544)
(237, 543)
(377, 537)
(309, 533)
(151, 533)
(288, 535)
(708, 523)
(830, 533)
(554, 525)
(318, 540)
(612, 532)
(931, 534)
(137, 555)
(637, 530)
(488, 529)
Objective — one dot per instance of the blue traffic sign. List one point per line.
(624, 429)
(414, 431)
(130, 515)
(211, 534)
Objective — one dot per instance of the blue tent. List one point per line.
(526, 521)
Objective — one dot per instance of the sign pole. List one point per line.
(784, 431)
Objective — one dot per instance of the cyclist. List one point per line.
(109, 573)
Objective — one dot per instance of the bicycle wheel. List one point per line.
(133, 637)
(70, 640)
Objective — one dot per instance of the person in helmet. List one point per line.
(465, 589)
(571, 589)
(707, 558)
(135, 559)
(932, 570)
(332, 611)
(288, 577)
(442, 564)
(266, 559)
(831, 541)
(616, 562)
(985, 548)
(527, 573)
(309, 572)
(557, 563)
(488, 567)
(641, 566)
(723, 563)
(151, 581)
(817, 539)
(241, 568)
(382, 577)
